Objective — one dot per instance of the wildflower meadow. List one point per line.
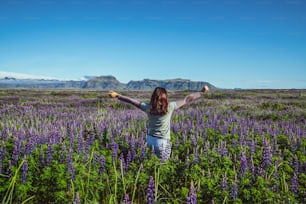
(76, 146)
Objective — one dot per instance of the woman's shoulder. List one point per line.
(144, 106)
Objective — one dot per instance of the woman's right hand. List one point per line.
(113, 94)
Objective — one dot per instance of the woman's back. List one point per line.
(159, 125)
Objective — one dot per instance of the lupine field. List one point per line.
(243, 146)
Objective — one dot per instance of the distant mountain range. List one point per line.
(16, 80)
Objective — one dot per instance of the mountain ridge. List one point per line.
(107, 82)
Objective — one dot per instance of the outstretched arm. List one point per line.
(191, 97)
(127, 99)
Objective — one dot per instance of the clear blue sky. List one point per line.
(229, 43)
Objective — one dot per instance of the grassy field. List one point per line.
(75, 146)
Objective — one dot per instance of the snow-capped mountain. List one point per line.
(21, 76)
(18, 80)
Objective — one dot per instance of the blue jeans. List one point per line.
(162, 147)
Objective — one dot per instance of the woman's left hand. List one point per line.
(205, 89)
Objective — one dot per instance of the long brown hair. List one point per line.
(159, 101)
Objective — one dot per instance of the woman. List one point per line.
(159, 112)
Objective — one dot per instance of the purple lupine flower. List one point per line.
(115, 148)
(15, 154)
(294, 184)
(52, 138)
(2, 155)
(133, 154)
(253, 147)
(24, 171)
(298, 140)
(225, 129)
(123, 163)
(193, 140)
(234, 130)
(126, 199)
(92, 134)
(206, 146)
(192, 197)
(204, 136)
(95, 159)
(132, 142)
(128, 159)
(126, 140)
(71, 135)
(241, 137)
(49, 154)
(87, 146)
(143, 152)
(196, 159)
(296, 164)
(63, 155)
(140, 139)
(102, 164)
(266, 154)
(224, 182)
(275, 145)
(234, 190)
(151, 191)
(175, 128)
(293, 144)
(223, 150)
(30, 146)
(80, 144)
(77, 198)
(243, 163)
(70, 167)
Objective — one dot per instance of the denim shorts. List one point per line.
(161, 146)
